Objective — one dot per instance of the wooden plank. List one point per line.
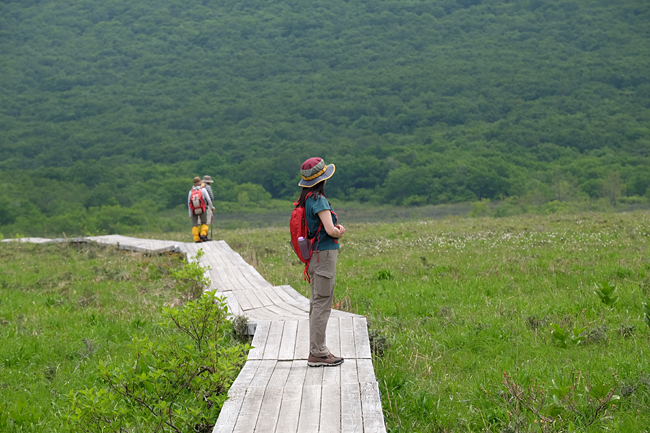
(259, 339)
(373, 417)
(310, 409)
(263, 374)
(272, 295)
(262, 314)
(361, 339)
(330, 416)
(292, 292)
(302, 306)
(348, 348)
(245, 376)
(233, 304)
(220, 285)
(351, 416)
(227, 284)
(311, 401)
(237, 285)
(272, 348)
(270, 410)
(244, 303)
(301, 351)
(333, 337)
(349, 372)
(282, 294)
(365, 371)
(314, 376)
(230, 412)
(288, 344)
(250, 294)
(280, 374)
(292, 309)
(249, 411)
(283, 314)
(291, 399)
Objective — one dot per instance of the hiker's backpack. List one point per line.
(298, 228)
(197, 204)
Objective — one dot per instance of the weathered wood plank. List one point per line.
(288, 344)
(292, 292)
(301, 351)
(233, 304)
(244, 303)
(259, 339)
(351, 416)
(270, 410)
(333, 337)
(250, 410)
(282, 294)
(330, 415)
(230, 412)
(291, 399)
(310, 409)
(365, 370)
(263, 374)
(280, 374)
(361, 339)
(245, 376)
(261, 314)
(260, 293)
(373, 417)
(349, 372)
(284, 314)
(272, 348)
(348, 348)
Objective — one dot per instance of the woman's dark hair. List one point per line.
(316, 191)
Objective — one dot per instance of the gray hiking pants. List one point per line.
(322, 271)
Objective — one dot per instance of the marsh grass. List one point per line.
(461, 301)
(62, 310)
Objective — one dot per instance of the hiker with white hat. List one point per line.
(206, 181)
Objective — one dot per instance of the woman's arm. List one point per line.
(326, 218)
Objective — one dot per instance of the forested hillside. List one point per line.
(108, 108)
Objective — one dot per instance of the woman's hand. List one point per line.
(341, 228)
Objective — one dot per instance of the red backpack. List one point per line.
(197, 204)
(298, 228)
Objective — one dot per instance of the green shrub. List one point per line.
(176, 384)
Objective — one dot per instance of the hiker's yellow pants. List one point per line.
(195, 233)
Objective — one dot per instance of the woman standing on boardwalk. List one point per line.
(322, 265)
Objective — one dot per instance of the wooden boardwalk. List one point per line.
(276, 392)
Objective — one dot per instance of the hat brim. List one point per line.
(208, 181)
(328, 173)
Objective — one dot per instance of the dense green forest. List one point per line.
(109, 108)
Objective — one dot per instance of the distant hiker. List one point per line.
(198, 202)
(207, 180)
(322, 264)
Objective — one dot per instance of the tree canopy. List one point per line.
(118, 103)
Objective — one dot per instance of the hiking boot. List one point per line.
(204, 238)
(324, 361)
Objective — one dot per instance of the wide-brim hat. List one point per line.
(314, 171)
(207, 179)
(197, 181)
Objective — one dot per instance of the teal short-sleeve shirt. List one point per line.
(312, 207)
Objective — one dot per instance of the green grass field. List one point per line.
(63, 309)
(455, 303)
